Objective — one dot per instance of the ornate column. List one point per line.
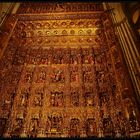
(128, 45)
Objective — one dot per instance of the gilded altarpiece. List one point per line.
(63, 75)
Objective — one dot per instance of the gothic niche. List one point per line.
(74, 97)
(56, 99)
(17, 128)
(37, 101)
(56, 122)
(91, 128)
(74, 74)
(57, 75)
(87, 74)
(74, 128)
(33, 129)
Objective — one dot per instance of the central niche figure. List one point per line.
(57, 76)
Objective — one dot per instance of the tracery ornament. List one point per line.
(58, 7)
